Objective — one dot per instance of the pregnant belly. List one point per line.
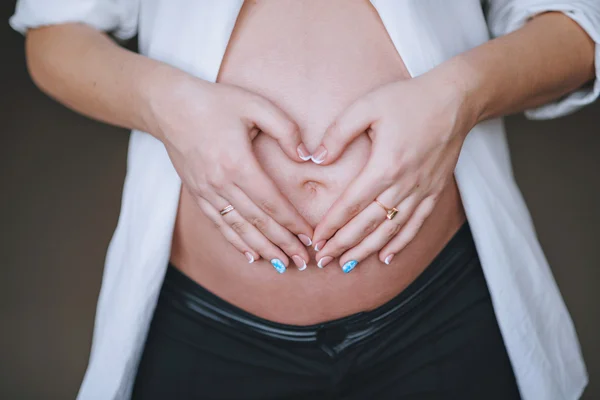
(312, 59)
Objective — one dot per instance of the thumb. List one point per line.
(353, 121)
(271, 120)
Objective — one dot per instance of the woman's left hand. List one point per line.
(417, 128)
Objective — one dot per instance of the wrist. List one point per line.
(456, 85)
(465, 84)
(160, 89)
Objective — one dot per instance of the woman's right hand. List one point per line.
(207, 129)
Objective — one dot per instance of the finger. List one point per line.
(358, 195)
(271, 120)
(229, 234)
(384, 232)
(277, 234)
(370, 230)
(266, 195)
(248, 233)
(257, 241)
(351, 234)
(353, 121)
(409, 231)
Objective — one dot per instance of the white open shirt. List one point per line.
(192, 35)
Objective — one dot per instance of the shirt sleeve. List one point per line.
(117, 17)
(505, 16)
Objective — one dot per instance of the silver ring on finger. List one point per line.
(229, 208)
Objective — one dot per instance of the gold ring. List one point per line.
(229, 208)
(390, 212)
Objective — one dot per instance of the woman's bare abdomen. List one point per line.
(312, 59)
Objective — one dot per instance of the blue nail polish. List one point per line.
(278, 265)
(349, 266)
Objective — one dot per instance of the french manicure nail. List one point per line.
(250, 257)
(303, 152)
(300, 263)
(324, 261)
(278, 265)
(305, 239)
(320, 245)
(349, 266)
(319, 155)
(388, 259)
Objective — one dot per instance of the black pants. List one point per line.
(438, 339)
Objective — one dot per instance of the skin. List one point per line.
(264, 223)
(440, 107)
(112, 84)
(312, 80)
(88, 72)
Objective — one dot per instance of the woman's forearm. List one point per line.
(86, 71)
(547, 58)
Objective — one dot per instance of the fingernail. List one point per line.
(300, 263)
(303, 152)
(320, 245)
(388, 259)
(324, 261)
(250, 257)
(319, 155)
(305, 239)
(349, 266)
(278, 265)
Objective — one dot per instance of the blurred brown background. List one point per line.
(60, 187)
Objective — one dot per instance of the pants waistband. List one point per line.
(455, 260)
